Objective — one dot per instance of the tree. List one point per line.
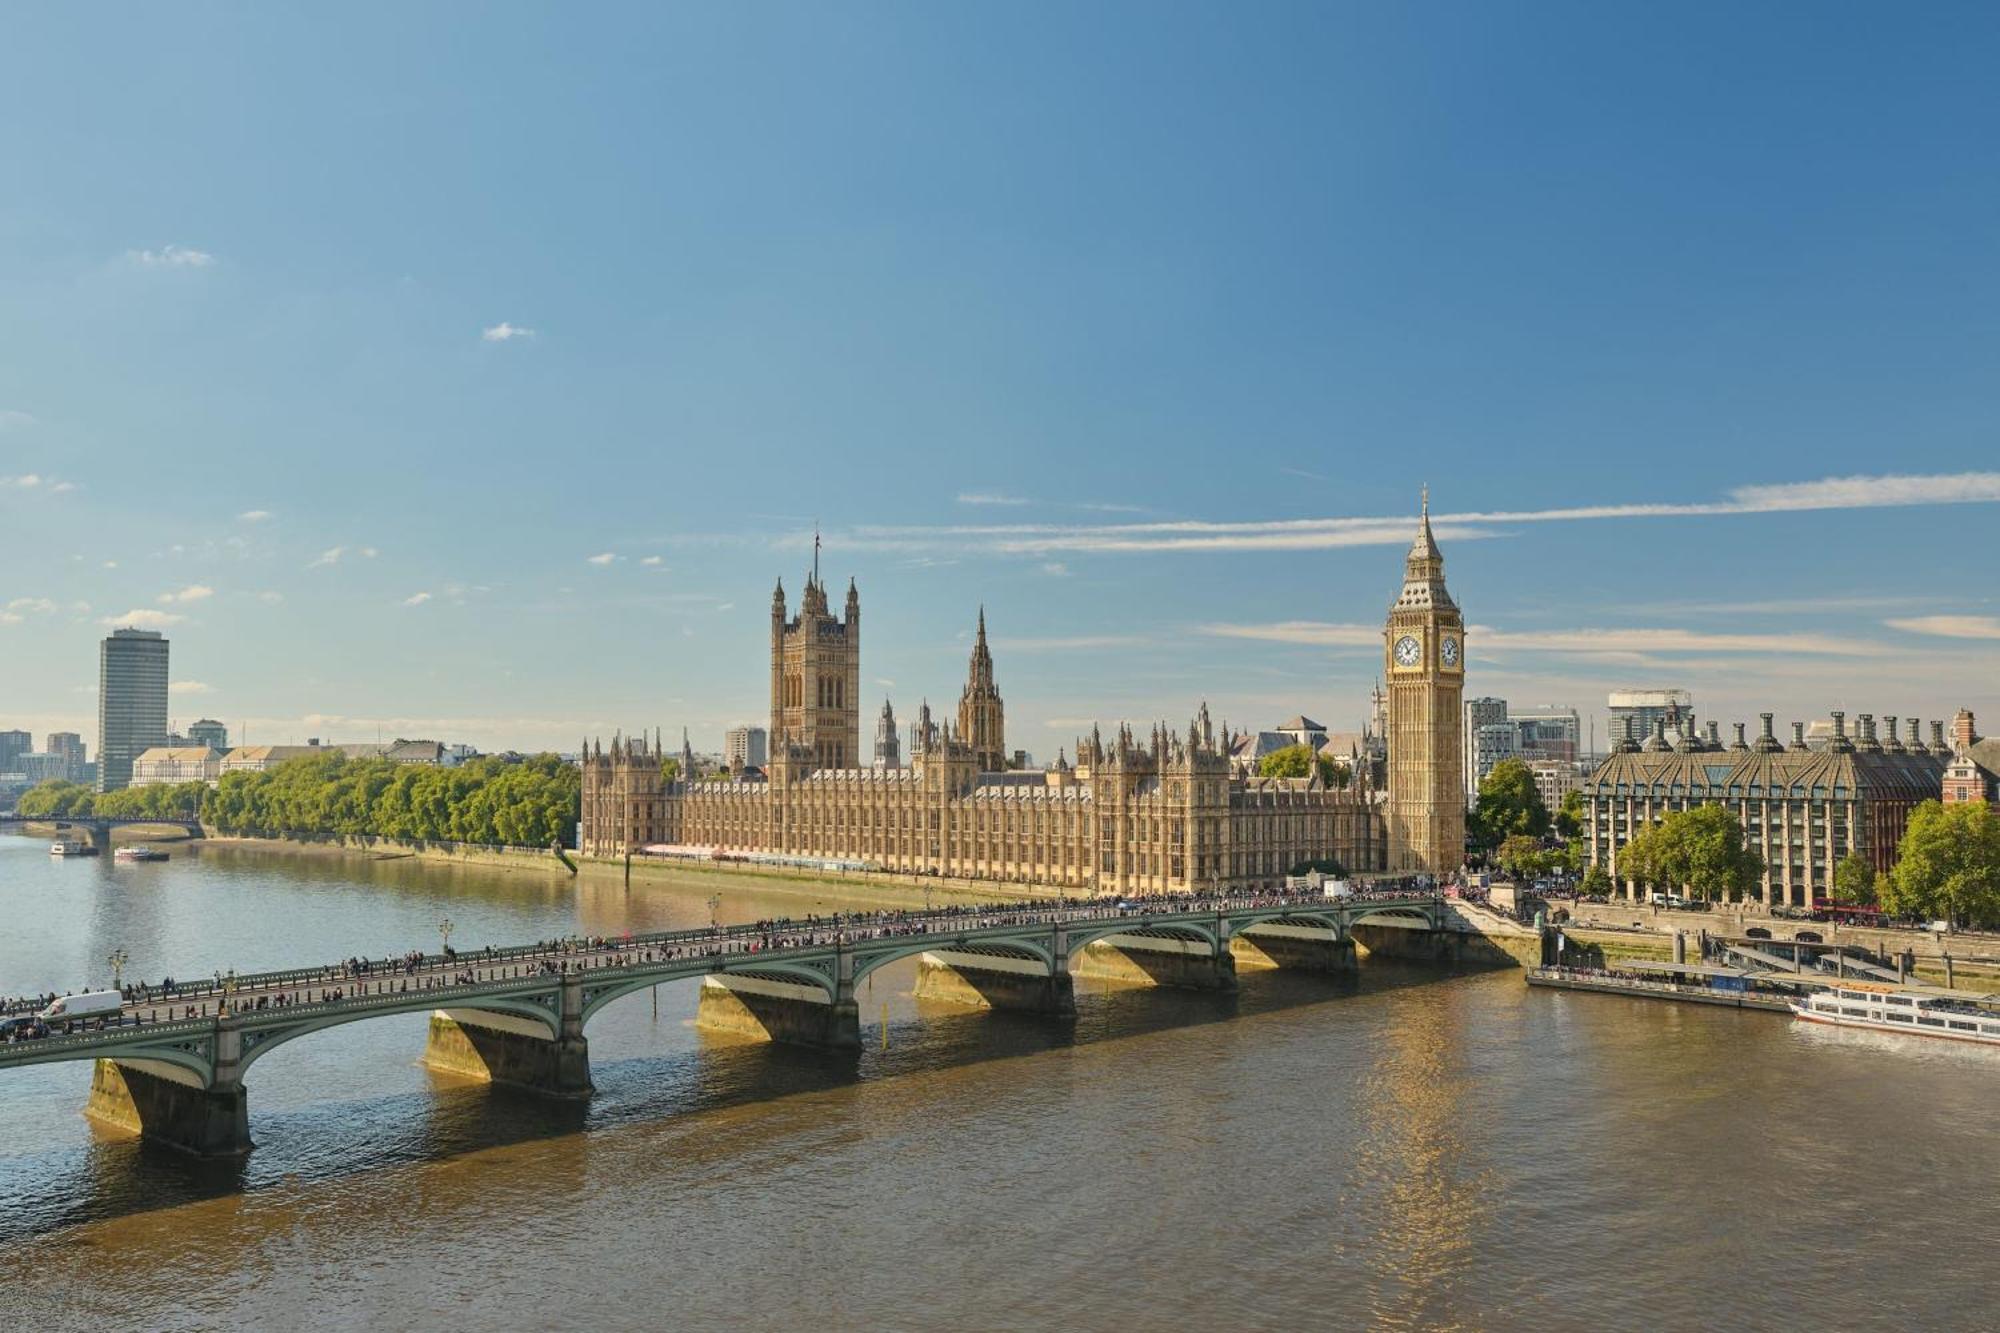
(1596, 881)
(1297, 761)
(1948, 865)
(1509, 804)
(1569, 818)
(1699, 851)
(1854, 882)
(1520, 856)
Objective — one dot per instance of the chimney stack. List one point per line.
(1963, 734)
(1798, 735)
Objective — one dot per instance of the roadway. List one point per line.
(416, 973)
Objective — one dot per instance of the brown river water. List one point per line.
(1418, 1148)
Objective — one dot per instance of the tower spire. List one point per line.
(816, 550)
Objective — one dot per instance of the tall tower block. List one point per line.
(1424, 658)
(816, 676)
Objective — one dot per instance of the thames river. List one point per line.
(1421, 1149)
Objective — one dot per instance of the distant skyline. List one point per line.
(487, 405)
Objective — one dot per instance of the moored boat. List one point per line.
(71, 847)
(139, 853)
(1877, 1008)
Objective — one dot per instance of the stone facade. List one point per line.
(1802, 810)
(1424, 656)
(1162, 811)
(1973, 772)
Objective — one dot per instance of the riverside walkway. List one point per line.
(170, 1063)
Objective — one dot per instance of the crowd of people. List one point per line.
(392, 977)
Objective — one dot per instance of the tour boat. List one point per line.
(69, 847)
(1888, 1009)
(139, 854)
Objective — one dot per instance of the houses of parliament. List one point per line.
(1134, 812)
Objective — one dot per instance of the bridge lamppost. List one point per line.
(714, 906)
(118, 959)
(445, 927)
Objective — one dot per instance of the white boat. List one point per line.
(1891, 1009)
(71, 847)
(139, 853)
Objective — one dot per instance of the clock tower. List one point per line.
(1425, 664)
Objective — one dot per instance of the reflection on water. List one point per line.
(1412, 1149)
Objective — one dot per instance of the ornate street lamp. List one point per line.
(118, 959)
(445, 928)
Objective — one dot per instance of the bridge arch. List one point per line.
(597, 998)
(1186, 931)
(259, 1043)
(1002, 947)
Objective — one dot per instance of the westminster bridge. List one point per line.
(171, 1063)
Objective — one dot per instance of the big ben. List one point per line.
(1424, 661)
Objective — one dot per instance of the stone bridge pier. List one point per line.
(513, 1049)
(1147, 958)
(1001, 980)
(172, 1105)
(794, 1010)
(1298, 947)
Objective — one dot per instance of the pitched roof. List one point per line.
(1301, 723)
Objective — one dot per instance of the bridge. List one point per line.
(97, 829)
(171, 1063)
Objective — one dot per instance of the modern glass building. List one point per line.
(131, 702)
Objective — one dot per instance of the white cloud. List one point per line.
(194, 592)
(1056, 569)
(190, 687)
(62, 487)
(990, 498)
(27, 481)
(653, 561)
(171, 256)
(254, 515)
(330, 556)
(12, 420)
(416, 599)
(1306, 534)
(142, 619)
(1950, 627)
(603, 558)
(505, 332)
(1312, 632)
(368, 553)
(1074, 643)
(1626, 644)
(18, 610)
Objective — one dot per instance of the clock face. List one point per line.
(1449, 651)
(1408, 651)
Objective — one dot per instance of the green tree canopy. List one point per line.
(1596, 881)
(1509, 804)
(1520, 856)
(1948, 865)
(1698, 851)
(1854, 882)
(55, 799)
(531, 803)
(1297, 761)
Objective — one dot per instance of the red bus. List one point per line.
(1848, 914)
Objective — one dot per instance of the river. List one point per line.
(1415, 1149)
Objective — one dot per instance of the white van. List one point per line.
(90, 1004)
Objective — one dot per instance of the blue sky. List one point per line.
(473, 372)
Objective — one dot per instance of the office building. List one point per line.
(68, 747)
(131, 702)
(747, 747)
(208, 732)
